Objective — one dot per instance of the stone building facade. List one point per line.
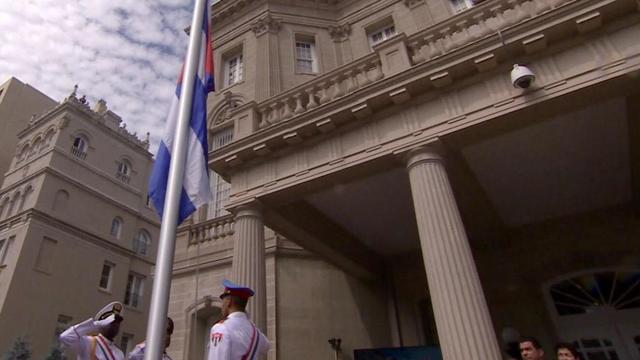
(412, 195)
(19, 102)
(76, 230)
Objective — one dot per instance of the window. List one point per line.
(62, 324)
(60, 201)
(126, 342)
(105, 277)
(306, 61)
(116, 227)
(596, 349)
(79, 148)
(25, 197)
(36, 147)
(4, 205)
(233, 69)
(142, 242)
(220, 189)
(24, 153)
(12, 205)
(382, 34)
(462, 5)
(135, 288)
(46, 255)
(586, 293)
(124, 171)
(5, 248)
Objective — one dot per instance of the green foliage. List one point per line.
(20, 351)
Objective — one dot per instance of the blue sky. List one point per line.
(127, 52)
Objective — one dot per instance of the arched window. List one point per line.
(60, 200)
(116, 227)
(124, 170)
(80, 146)
(24, 153)
(4, 205)
(142, 242)
(25, 197)
(49, 136)
(35, 148)
(14, 202)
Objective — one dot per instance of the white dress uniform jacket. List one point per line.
(237, 338)
(88, 347)
(138, 353)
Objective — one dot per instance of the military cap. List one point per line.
(112, 308)
(231, 288)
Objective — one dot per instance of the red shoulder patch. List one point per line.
(216, 337)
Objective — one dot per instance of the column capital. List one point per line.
(252, 209)
(266, 24)
(339, 33)
(423, 154)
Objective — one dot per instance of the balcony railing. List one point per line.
(486, 18)
(211, 230)
(327, 87)
(78, 153)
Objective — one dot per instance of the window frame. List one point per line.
(141, 245)
(220, 189)
(124, 170)
(111, 266)
(5, 248)
(237, 76)
(459, 6)
(133, 298)
(116, 220)
(126, 347)
(80, 146)
(309, 40)
(386, 32)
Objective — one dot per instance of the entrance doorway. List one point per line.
(200, 324)
(599, 312)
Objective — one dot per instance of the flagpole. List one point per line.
(156, 326)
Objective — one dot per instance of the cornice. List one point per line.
(463, 46)
(71, 105)
(226, 9)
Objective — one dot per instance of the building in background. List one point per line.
(418, 198)
(76, 228)
(19, 102)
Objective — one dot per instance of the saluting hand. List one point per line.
(106, 321)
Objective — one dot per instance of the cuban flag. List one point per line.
(195, 184)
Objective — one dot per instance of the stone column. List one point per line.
(248, 266)
(461, 313)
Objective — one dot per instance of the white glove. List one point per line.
(105, 322)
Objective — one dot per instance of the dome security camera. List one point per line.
(522, 77)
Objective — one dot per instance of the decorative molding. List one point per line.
(222, 113)
(339, 33)
(266, 24)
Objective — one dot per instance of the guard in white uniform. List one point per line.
(138, 352)
(236, 337)
(93, 339)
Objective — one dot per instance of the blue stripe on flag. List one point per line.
(158, 191)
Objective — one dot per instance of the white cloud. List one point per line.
(127, 52)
